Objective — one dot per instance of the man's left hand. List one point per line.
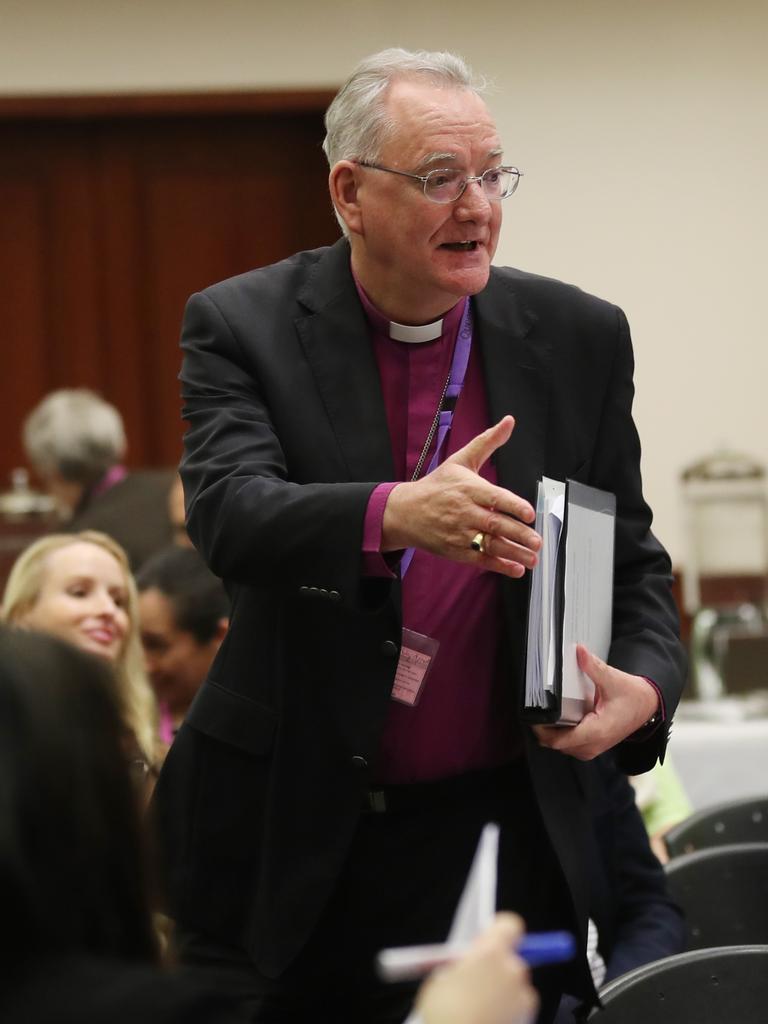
(623, 704)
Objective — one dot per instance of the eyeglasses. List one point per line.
(446, 185)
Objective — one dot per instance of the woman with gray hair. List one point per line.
(73, 439)
(76, 443)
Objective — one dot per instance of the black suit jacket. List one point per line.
(287, 438)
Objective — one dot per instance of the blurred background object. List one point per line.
(25, 514)
(22, 502)
(725, 582)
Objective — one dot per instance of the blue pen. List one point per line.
(541, 948)
(409, 962)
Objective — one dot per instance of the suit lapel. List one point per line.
(516, 363)
(335, 336)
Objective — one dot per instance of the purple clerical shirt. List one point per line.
(463, 720)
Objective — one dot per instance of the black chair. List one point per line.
(706, 986)
(723, 893)
(738, 821)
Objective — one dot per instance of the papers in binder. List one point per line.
(571, 598)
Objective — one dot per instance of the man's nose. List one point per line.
(473, 203)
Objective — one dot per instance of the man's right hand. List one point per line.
(444, 510)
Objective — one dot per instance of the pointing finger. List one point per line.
(477, 452)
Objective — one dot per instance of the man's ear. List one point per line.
(221, 629)
(343, 186)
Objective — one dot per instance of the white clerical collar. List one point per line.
(415, 335)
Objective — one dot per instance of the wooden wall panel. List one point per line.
(120, 271)
(24, 322)
(75, 349)
(115, 215)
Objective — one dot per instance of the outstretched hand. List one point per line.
(443, 511)
(623, 703)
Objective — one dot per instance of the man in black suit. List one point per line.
(361, 721)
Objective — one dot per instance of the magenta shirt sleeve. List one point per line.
(374, 563)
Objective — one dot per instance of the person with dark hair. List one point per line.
(184, 613)
(63, 778)
(74, 872)
(75, 876)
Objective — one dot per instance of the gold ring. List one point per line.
(478, 543)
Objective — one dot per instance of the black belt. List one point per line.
(415, 796)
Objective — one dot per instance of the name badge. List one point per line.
(417, 652)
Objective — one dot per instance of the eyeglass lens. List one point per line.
(444, 186)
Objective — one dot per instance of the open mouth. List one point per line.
(460, 246)
(102, 636)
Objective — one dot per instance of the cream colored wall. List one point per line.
(642, 130)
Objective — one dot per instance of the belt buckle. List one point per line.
(377, 801)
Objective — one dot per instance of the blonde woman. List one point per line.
(79, 587)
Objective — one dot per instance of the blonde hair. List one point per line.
(137, 701)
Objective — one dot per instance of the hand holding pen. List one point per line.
(489, 983)
(409, 962)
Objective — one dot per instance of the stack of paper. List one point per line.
(571, 598)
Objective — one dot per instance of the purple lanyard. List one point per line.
(453, 390)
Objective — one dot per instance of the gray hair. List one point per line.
(75, 433)
(356, 122)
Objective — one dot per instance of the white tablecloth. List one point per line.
(720, 760)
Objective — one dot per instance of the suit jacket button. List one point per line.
(359, 762)
(390, 649)
(334, 595)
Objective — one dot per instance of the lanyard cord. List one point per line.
(444, 419)
(432, 429)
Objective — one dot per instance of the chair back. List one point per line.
(706, 986)
(737, 821)
(723, 893)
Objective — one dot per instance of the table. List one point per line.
(723, 756)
